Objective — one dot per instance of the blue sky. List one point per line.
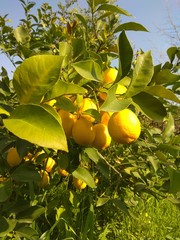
(153, 14)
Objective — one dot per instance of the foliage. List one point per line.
(62, 55)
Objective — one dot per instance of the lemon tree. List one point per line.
(79, 135)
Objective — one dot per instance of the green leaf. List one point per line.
(40, 125)
(142, 74)
(112, 104)
(30, 214)
(165, 76)
(84, 175)
(101, 201)
(63, 88)
(121, 205)
(6, 226)
(150, 106)
(174, 176)
(88, 69)
(113, 9)
(130, 26)
(174, 150)
(26, 173)
(65, 51)
(82, 19)
(5, 189)
(27, 233)
(4, 112)
(162, 92)
(168, 132)
(21, 35)
(171, 52)
(125, 56)
(97, 2)
(35, 76)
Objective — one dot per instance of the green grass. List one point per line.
(153, 220)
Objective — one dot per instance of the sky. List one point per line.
(153, 14)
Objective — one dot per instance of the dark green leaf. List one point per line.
(174, 150)
(142, 74)
(6, 226)
(85, 176)
(150, 106)
(101, 201)
(37, 124)
(130, 26)
(174, 176)
(5, 189)
(30, 214)
(27, 233)
(82, 19)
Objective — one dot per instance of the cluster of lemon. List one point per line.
(48, 164)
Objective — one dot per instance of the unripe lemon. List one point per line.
(68, 119)
(49, 164)
(109, 75)
(102, 138)
(124, 126)
(13, 158)
(62, 172)
(83, 132)
(79, 184)
(87, 104)
(45, 179)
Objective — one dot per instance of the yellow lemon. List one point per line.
(68, 119)
(49, 163)
(62, 172)
(109, 75)
(79, 184)
(124, 126)
(13, 158)
(50, 102)
(83, 132)
(45, 179)
(102, 138)
(87, 104)
(121, 89)
(105, 116)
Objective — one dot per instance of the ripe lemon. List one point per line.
(45, 179)
(102, 138)
(109, 75)
(87, 104)
(105, 116)
(13, 158)
(83, 132)
(68, 119)
(124, 126)
(62, 172)
(79, 184)
(49, 163)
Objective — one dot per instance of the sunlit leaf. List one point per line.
(113, 9)
(130, 26)
(84, 175)
(37, 124)
(5, 189)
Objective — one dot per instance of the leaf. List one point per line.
(113, 9)
(35, 76)
(30, 214)
(26, 173)
(6, 226)
(130, 26)
(4, 112)
(141, 75)
(65, 51)
(27, 232)
(169, 148)
(21, 35)
(5, 189)
(165, 76)
(162, 92)
(150, 106)
(88, 69)
(125, 56)
(171, 52)
(101, 201)
(84, 175)
(38, 125)
(112, 104)
(174, 176)
(82, 19)
(121, 205)
(169, 129)
(64, 88)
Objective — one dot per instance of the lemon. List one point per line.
(124, 126)
(102, 138)
(87, 104)
(49, 163)
(13, 158)
(83, 132)
(51, 102)
(121, 89)
(109, 75)
(62, 172)
(78, 183)
(105, 116)
(68, 119)
(45, 179)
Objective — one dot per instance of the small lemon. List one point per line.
(109, 75)
(62, 172)
(78, 183)
(102, 138)
(124, 126)
(13, 158)
(49, 163)
(83, 132)
(45, 179)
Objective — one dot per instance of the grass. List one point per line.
(154, 220)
